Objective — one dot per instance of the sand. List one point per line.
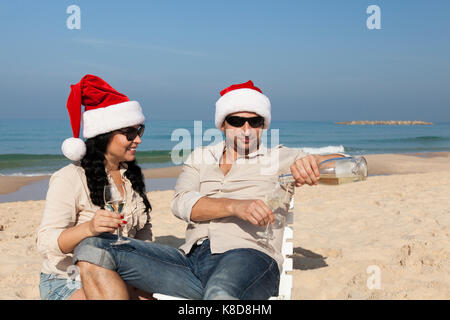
(387, 237)
(9, 184)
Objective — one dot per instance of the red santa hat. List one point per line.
(243, 97)
(106, 110)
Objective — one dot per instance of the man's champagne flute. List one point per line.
(278, 200)
(115, 202)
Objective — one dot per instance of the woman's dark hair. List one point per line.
(93, 164)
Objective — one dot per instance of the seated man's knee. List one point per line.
(218, 293)
(92, 253)
(90, 241)
(86, 244)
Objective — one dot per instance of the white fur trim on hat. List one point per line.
(114, 117)
(242, 100)
(74, 149)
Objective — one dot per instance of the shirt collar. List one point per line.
(123, 167)
(218, 150)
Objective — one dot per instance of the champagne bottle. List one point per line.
(335, 171)
(343, 170)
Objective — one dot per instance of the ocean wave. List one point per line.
(431, 138)
(52, 161)
(21, 174)
(45, 164)
(322, 150)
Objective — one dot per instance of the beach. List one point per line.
(387, 237)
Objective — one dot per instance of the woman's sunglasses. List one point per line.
(132, 132)
(254, 122)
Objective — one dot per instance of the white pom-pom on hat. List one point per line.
(74, 149)
(106, 110)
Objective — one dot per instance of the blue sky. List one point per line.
(315, 60)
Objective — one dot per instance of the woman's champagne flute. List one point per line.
(115, 202)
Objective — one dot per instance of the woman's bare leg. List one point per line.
(101, 283)
(78, 295)
(137, 294)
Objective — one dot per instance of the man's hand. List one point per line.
(256, 212)
(306, 170)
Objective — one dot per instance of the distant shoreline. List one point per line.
(385, 122)
(10, 184)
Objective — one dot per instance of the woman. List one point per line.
(74, 208)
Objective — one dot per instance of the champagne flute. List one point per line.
(278, 200)
(115, 202)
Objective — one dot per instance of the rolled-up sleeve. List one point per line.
(187, 191)
(299, 153)
(59, 213)
(302, 153)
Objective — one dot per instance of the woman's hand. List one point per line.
(105, 221)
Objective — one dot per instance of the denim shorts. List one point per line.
(53, 288)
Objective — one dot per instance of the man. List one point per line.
(220, 194)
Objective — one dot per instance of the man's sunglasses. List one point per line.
(254, 122)
(132, 132)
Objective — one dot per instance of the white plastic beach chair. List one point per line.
(287, 249)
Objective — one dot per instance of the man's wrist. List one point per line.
(318, 158)
(230, 206)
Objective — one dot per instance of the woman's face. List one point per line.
(119, 149)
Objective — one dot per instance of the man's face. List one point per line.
(244, 139)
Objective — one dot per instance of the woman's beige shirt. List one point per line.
(68, 204)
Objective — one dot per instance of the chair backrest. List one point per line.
(287, 249)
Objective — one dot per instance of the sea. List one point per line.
(33, 147)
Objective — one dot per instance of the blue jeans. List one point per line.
(240, 274)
